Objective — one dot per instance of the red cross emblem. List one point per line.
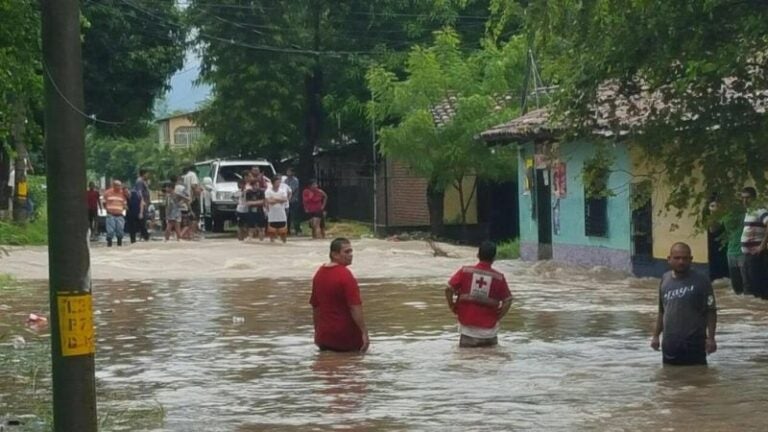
(481, 282)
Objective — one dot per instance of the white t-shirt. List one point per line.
(276, 212)
(287, 189)
(190, 180)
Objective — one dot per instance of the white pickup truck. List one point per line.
(224, 174)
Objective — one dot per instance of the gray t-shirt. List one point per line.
(685, 303)
(143, 190)
(293, 183)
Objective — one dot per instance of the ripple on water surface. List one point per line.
(237, 355)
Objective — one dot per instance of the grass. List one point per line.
(35, 232)
(508, 250)
(30, 234)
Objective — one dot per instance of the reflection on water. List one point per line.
(238, 356)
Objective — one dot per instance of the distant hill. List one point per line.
(184, 94)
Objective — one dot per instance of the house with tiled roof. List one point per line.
(627, 228)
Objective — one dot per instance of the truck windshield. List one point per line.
(233, 173)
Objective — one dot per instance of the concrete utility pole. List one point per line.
(72, 334)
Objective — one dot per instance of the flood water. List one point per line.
(237, 355)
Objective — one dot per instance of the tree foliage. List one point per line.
(261, 56)
(19, 52)
(20, 66)
(130, 50)
(700, 65)
(121, 158)
(475, 87)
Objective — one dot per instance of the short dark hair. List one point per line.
(174, 178)
(682, 246)
(142, 172)
(487, 251)
(338, 243)
(749, 190)
(312, 181)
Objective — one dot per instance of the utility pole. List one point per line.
(72, 334)
(375, 167)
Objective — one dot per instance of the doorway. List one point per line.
(544, 212)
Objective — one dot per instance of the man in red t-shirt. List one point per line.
(337, 309)
(480, 297)
(94, 204)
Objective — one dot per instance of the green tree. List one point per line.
(130, 50)
(289, 76)
(121, 158)
(20, 88)
(701, 67)
(476, 87)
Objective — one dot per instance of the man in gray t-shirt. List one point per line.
(687, 312)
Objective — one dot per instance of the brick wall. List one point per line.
(407, 194)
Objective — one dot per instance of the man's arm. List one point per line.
(505, 305)
(325, 199)
(659, 327)
(711, 345)
(357, 317)
(449, 297)
(764, 243)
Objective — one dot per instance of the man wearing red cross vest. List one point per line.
(480, 297)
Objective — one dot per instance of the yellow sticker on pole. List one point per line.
(76, 324)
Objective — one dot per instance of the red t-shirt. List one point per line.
(334, 290)
(93, 199)
(313, 201)
(480, 289)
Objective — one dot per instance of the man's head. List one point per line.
(174, 179)
(341, 251)
(313, 184)
(487, 252)
(276, 180)
(117, 185)
(748, 195)
(255, 170)
(289, 172)
(144, 173)
(91, 185)
(680, 257)
(190, 168)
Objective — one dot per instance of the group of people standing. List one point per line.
(126, 209)
(743, 233)
(273, 207)
(267, 207)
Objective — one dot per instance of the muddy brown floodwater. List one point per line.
(237, 355)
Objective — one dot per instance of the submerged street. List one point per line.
(229, 347)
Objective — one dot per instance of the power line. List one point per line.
(359, 13)
(265, 48)
(71, 105)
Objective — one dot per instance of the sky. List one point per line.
(184, 94)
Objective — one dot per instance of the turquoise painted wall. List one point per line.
(572, 222)
(529, 231)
